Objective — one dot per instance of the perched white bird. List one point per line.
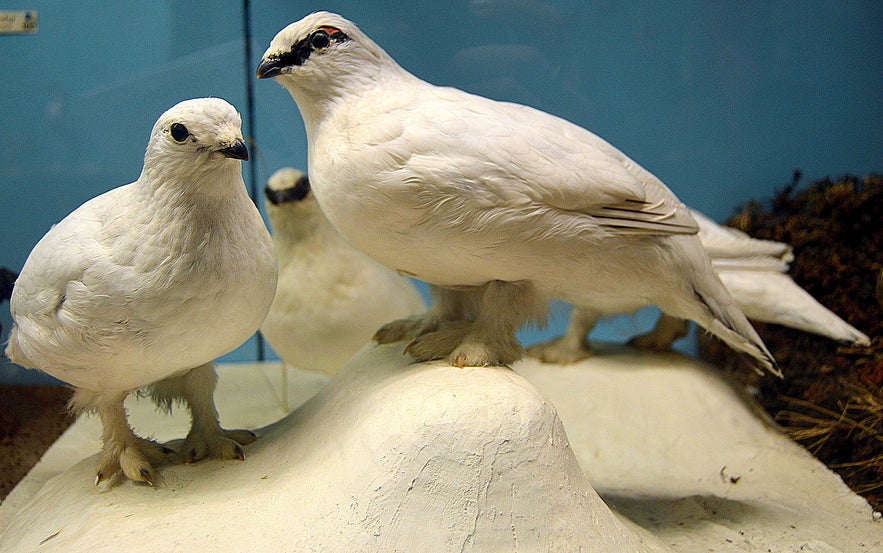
(331, 297)
(145, 285)
(498, 205)
(753, 270)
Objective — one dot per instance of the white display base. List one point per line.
(426, 457)
(671, 446)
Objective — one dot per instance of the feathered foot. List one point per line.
(573, 346)
(206, 438)
(500, 308)
(481, 349)
(400, 329)
(440, 341)
(448, 305)
(122, 450)
(560, 351)
(667, 330)
(465, 344)
(135, 458)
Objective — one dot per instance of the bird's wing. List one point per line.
(727, 242)
(528, 156)
(70, 292)
(759, 264)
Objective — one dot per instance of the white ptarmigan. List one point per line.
(498, 205)
(145, 285)
(331, 297)
(755, 273)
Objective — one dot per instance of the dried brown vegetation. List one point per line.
(831, 399)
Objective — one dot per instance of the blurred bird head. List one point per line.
(293, 209)
(287, 185)
(323, 55)
(200, 133)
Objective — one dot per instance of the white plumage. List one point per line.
(755, 273)
(148, 283)
(331, 298)
(498, 205)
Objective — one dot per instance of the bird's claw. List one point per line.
(133, 459)
(146, 475)
(240, 453)
(439, 344)
(225, 444)
(483, 354)
(399, 330)
(241, 436)
(463, 347)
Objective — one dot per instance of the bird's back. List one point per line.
(449, 167)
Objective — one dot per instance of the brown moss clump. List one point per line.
(831, 399)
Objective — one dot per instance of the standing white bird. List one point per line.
(331, 297)
(506, 202)
(145, 285)
(755, 273)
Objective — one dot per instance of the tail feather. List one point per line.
(726, 321)
(715, 309)
(775, 298)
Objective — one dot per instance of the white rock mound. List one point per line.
(389, 457)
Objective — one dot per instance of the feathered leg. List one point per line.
(500, 309)
(574, 345)
(122, 449)
(206, 438)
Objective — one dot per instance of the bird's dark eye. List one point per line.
(319, 39)
(179, 132)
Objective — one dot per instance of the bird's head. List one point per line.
(321, 56)
(293, 209)
(198, 132)
(287, 185)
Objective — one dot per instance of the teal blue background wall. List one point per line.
(721, 100)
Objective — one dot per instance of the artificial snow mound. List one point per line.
(388, 457)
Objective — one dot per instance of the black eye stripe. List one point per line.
(317, 40)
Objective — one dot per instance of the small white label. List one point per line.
(13, 23)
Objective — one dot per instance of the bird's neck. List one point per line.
(318, 102)
(194, 187)
(300, 230)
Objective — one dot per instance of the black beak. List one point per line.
(236, 151)
(270, 67)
